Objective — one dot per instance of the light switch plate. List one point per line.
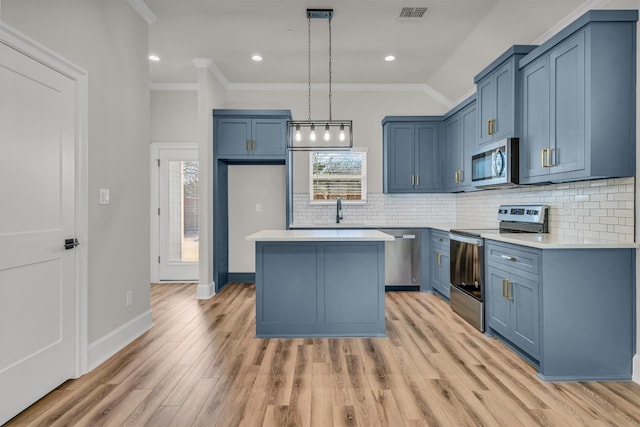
(258, 207)
(104, 196)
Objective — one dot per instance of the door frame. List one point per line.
(29, 47)
(154, 239)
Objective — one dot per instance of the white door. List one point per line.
(178, 234)
(37, 202)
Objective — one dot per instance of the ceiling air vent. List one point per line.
(413, 14)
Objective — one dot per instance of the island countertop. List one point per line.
(323, 235)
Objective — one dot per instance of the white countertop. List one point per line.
(328, 235)
(553, 241)
(540, 241)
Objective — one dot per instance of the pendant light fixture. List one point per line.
(336, 134)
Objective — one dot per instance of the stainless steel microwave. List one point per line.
(496, 165)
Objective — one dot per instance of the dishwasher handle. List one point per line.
(466, 239)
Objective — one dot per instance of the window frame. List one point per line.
(362, 176)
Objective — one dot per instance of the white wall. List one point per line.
(256, 203)
(174, 116)
(101, 36)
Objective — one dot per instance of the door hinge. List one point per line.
(158, 259)
(70, 243)
(158, 160)
(158, 211)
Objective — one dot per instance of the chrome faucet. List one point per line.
(338, 210)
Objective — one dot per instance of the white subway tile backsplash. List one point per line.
(602, 209)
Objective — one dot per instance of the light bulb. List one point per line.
(342, 135)
(312, 135)
(298, 134)
(327, 135)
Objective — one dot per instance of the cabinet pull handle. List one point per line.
(504, 288)
(549, 162)
(544, 150)
(509, 257)
(253, 145)
(461, 176)
(509, 296)
(417, 180)
(491, 127)
(412, 180)
(248, 145)
(437, 258)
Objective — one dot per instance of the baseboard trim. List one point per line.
(241, 277)
(206, 291)
(105, 347)
(636, 369)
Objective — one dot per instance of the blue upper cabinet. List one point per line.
(411, 155)
(498, 93)
(459, 141)
(250, 134)
(578, 97)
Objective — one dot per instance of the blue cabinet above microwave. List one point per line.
(498, 94)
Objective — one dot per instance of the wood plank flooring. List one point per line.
(201, 366)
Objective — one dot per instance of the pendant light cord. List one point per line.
(330, 61)
(309, 64)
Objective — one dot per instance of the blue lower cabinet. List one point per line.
(320, 289)
(513, 309)
(440, 262)
(570, 312)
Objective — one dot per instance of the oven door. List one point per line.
(467, 293)
(466, 258)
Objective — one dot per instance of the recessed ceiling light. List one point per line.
(154, 58)
(256, 58)
(389, 58)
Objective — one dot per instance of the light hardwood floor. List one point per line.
(200, 365)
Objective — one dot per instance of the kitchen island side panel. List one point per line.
(319, 289)
(588, 314)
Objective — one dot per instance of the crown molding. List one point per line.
(578, 12)
(143, 10)
(173, 86)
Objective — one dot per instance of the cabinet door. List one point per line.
(400, 171)
(498, 307)
(486, 107)
(525, 325)
(505, 112)
(269, 137)
(233, 136)
(468, 121)
(427, 157)
(453, 152)
(445, 269)
(535, 118)
(440, 271)
(568, 105)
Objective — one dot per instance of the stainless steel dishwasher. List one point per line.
(402, 259)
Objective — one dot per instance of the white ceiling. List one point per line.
(441, 52)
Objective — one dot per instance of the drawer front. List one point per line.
(512, 257)
(439, 239)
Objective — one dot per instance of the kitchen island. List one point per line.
(320, 283)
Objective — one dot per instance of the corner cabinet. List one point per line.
(561, 310)
(247, 134)
(440, 262)
(578, 114)
(459, 141)
(498, 94)
(411, 154)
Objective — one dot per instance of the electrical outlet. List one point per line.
(129, 298)
(258, 207)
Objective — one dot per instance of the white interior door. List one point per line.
(178, 174)
(37, 213)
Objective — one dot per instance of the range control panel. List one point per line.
(523, 213)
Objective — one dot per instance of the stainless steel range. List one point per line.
(467, 257)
